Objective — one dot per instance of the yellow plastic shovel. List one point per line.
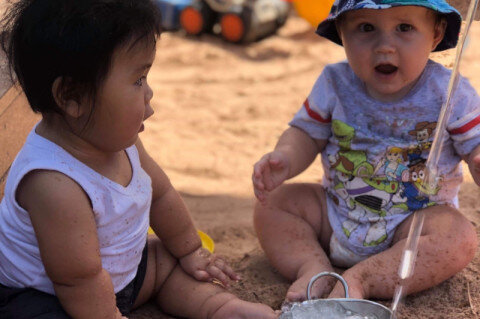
(207, 241)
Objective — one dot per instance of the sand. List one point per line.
(219, 107)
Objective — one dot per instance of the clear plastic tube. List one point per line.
(407, 263)
(440, 132)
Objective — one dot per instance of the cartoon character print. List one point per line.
(368, 201)
(392, 163)
(394, 186)
(366, 197)
(423, 132)
(347, 160)
(415, 187)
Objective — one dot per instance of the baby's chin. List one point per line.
(388, 93)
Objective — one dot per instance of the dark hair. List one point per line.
(72, 39)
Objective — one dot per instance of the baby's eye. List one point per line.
(366, 27)
(404, 27)
(421, 175)
(139, 82)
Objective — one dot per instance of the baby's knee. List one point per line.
(459, 240)
(280, 200)
(467, 242)
(274, 201)
(292, 197)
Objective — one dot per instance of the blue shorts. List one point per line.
(27, 303)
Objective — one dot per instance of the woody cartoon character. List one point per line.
(423, 132)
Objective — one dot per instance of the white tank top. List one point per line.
(121, 214)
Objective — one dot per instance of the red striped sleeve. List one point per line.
(315, 115)
(466, 127)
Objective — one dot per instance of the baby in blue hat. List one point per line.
(373, 119)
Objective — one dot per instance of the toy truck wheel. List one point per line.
(196, 18)
(233, 27)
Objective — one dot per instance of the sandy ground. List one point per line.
(219, 107)
(5, 82)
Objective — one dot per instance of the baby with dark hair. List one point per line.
(82, 192)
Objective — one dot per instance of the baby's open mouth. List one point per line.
(386, 68)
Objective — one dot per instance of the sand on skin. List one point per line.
(219, 107)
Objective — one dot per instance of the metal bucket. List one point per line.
(338, 308)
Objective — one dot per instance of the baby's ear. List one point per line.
(65, 101)
(439, 31)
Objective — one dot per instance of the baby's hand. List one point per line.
(204, 266)
(268, 173)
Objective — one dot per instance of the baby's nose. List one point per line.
(385, 43)
(148, 94)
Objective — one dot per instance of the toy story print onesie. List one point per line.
(374, 161)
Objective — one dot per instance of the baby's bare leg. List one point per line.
(447, 244)
(292, 228)
(181, 295)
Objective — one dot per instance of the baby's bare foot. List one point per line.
(240, 309)
(298, 290)
(355, 289)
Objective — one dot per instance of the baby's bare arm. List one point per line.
(300, 149)
(169, 216)
(65, 228)
(294, 152)
(171, 221)
(473, 161)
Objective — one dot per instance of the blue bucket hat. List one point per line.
(328, 29)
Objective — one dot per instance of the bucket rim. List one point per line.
(348, 300)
